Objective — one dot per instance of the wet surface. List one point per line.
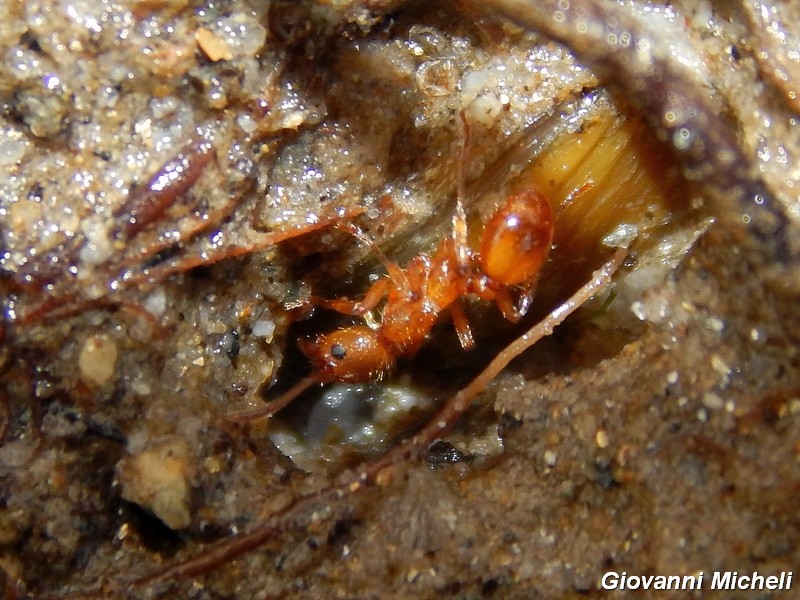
(172, 172)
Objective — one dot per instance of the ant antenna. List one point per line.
(466, 144)
(460, 238)
(391, 268)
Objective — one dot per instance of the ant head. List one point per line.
(517, 238)
(352, 355)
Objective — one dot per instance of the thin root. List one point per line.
(71, 302)
(245, 416)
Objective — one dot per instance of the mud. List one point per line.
(656, 435)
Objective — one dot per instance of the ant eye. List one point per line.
(338, 352)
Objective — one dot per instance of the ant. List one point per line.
(514, 245)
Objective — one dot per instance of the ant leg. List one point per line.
(511, 311)
(502, 298)
(514, 311)
(525, 298)
(356, 308)
(461, 324)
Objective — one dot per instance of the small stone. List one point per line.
(712, 401)
(601, 438)
(157, 479)
(212, 46)
(264, 329)
(97, 360)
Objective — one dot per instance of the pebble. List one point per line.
(157, 479)
(97, 359)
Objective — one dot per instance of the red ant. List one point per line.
(514, 245)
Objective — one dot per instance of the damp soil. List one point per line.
(171, 174)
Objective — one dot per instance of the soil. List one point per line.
(173, 172)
